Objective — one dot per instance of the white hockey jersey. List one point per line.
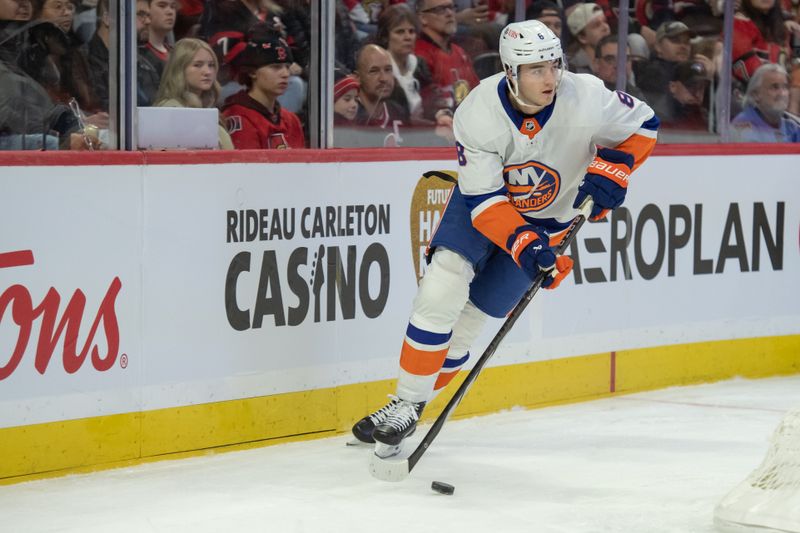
(536, 163)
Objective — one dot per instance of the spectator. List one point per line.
(672, 47)
(588, 25)
(547, 12)
(346, 42)
(765, 117)
(162, 21)
(683, 106)
(59, 12)
(345, 100)
(374, 73)
(364, 15)
(190, 80)
(604, 66)
(254, 116)
(147, 76)
(97, 55)
(397, 33)
(55, 62)
(759, 37)
(187, 19)
(29, 119)
(451, 70)
(224, 23)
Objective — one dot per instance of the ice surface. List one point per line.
(646, 463)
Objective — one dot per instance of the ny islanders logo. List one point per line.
(532, 186)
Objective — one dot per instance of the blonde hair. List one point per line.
(173, 80)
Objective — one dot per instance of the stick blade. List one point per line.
(390, 469)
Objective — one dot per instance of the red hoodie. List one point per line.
(253, 126)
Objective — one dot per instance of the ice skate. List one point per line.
(363, 428)
(399, 424)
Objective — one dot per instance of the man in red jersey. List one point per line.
(254, 117)
(451, 70)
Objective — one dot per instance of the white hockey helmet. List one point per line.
(529, 41)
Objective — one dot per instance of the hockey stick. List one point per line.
(389, 470)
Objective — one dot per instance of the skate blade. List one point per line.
(354, 442)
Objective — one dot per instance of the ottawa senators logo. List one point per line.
(277, 141)
(233, 123)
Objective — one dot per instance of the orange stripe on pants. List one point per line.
(419, 362)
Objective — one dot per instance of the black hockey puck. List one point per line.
(443, 488)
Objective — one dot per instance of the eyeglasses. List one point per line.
(440, 10)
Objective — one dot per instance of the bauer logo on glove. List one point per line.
(606, 181)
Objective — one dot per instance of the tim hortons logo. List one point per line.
(427, 207)
(17, 300)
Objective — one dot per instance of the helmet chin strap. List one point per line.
(514, 90)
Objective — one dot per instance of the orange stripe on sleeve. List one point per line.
(498, 222)
(639, 146)
(419, 362)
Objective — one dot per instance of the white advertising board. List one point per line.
(243, 280)
(70, 292)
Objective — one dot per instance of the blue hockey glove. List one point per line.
(530, 249)
(606, 182)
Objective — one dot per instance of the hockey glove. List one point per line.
(530, 250)
(606, 182)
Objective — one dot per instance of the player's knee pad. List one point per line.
(443, 291)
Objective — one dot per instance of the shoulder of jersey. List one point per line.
(482, 111)
(582, 82)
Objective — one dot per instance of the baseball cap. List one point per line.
(581, 16)
(673, 29)
(690, 73)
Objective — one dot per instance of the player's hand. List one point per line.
(562, 269)
(530, 249)
(606, 182)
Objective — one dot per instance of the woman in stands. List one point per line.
(398, 27)
(190, 80)
(55, 60)
(397, 33)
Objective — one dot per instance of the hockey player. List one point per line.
(532, 143)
